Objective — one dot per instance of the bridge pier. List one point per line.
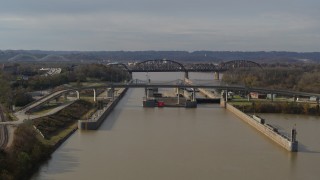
(194, 95)
(226, 96)
(146, 92)
(216, 75)
(78, 94)
(186, 74)
(94, 95)
(178, 92)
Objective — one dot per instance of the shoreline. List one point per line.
(278, 107)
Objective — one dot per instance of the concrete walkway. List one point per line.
(22, 116)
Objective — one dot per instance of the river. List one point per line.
(137, 143)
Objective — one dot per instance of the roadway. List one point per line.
(207, 86)
(3, 131)
(43, 100)
(21, 114)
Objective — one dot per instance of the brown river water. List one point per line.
(136, 143)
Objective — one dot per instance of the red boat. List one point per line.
(160, 104)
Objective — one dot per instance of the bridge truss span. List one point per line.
(163, 65)
(202, 67)
(238, 64)
(158, 66)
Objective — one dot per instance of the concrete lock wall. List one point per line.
(191, 104)
(95, 124)
(279, 139)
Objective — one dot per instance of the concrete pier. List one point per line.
(94, 122)
(285, 142)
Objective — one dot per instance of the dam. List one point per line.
(179, 143)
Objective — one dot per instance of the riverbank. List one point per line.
(289, 143)
(36, 140)
(277, 107)
(97, 118)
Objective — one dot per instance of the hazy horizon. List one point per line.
(158, 51)
(178, 25)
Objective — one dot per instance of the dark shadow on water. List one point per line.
(209, 106)
(110, 120)
(303, 148)
(108, 123)
(64, 162)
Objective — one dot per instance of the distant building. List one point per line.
(313, 98)
(256, 95)
(271, 96)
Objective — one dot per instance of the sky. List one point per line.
(135, 25)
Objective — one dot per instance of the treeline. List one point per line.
(305, 78)
(24, 155)
(196, 56)
(280, 107)
(27, 77)
(28, 151)
(81, 73)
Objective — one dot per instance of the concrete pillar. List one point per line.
(293, 135)
(78, 94)
(186, 74)
(249, 97)
(194, 94)
(226, 95)
(216, 75)
(178, 96)
(221, 102)
(94, 95)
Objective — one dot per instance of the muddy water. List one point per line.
(176, 143)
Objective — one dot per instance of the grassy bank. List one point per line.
(277, 107)
(52, 125)
(29, 149)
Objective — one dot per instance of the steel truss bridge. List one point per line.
(172, 84)
(163, 65)
(136, 83)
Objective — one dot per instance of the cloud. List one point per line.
(159, 25)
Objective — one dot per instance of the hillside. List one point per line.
(196, 56)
